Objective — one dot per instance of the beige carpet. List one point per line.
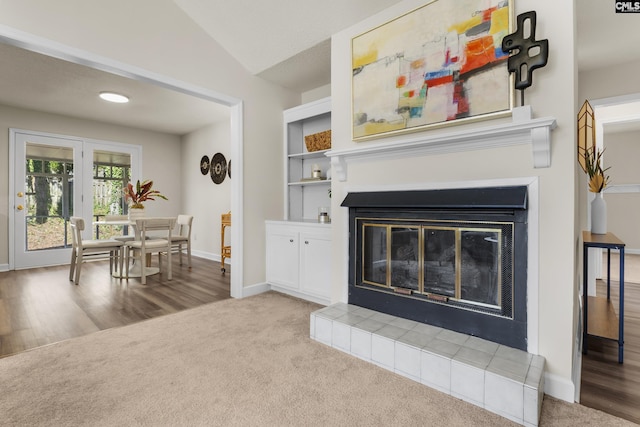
(246, 362)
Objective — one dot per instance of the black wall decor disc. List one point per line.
(229, 168)
(218, 168)
(204, 165)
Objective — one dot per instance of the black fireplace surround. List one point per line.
(443, 246)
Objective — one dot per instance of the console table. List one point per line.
(602, 321)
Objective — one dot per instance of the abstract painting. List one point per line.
(436, 65)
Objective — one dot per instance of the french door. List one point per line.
(55, 177)
(47, 191)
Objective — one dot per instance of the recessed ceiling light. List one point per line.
(114, 97)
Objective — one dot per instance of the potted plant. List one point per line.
(592, 166)
(136, 195)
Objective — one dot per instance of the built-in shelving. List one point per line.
(304, 197)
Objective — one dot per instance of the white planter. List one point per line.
(136, 214)
(599, 215)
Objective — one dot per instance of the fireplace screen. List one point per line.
(454, 258)
(447, 263)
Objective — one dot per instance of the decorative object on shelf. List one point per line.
(396, 85)
(323, 215)
(598, 215)
(135, 196)
(597, 183)
(318, 141)
(204, 165)
(316, 172)
(218, 168)
(590, 159)
(521, 47)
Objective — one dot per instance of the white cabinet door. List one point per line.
(282, 257)
(315, 264)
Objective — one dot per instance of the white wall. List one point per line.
(158, 150)
(317, 93)
(553, 94)
(609, 81)
(201, 197)
(156, 35)
(622, 151)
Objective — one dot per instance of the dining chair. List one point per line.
(95, 248)
(137, 250)
(182, 240)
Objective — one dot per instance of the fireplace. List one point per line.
(454, 258)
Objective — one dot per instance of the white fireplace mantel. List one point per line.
(522, 130)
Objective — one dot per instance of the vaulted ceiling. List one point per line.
(284, 41)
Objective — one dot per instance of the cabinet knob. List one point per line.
(290, 240)
(306, 242)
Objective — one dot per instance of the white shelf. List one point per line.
(309, 155)
(305, 183)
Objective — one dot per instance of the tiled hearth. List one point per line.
(501, 379)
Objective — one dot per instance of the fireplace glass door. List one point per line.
(460, 263)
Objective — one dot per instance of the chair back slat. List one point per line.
(184, 225)
(77, 226)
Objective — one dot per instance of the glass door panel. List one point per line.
(111, 173)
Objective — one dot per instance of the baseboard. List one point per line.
(258, 288)
(210, 256)
(317, 300)
(4, 267)
(559, 387)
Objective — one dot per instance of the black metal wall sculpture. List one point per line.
(522, 61)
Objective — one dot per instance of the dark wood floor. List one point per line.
(607, 385)
(41, 306)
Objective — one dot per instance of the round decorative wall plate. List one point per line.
(218, 168)
(229, 168)
(204, 165)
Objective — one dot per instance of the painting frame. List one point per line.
(438, 65)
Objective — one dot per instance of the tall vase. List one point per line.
(599, 215)
(135, 213)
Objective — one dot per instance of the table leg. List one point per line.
(585, 297)
(621, 313)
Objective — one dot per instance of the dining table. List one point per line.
(135, 270)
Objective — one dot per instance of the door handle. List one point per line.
(20, 207)
(20, 194)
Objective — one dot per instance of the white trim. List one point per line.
(559, 387)
(522, 130)
(256, 289)
(614, 100)
(622, 189)
(54, 49)
(301, 295)
(237, 201)
(533, 232)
